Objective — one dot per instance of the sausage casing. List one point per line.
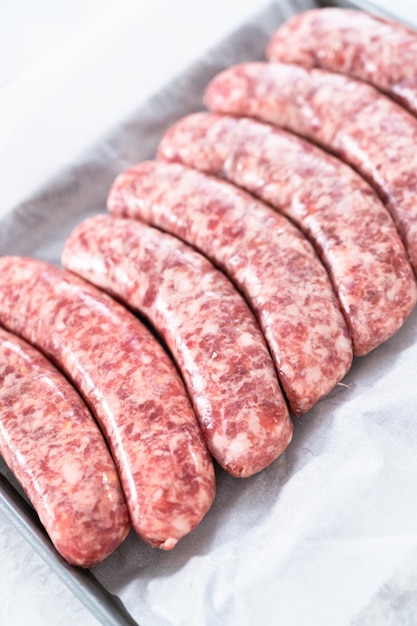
(208, 327)
(347, 117)
(54, 448)
(376, 50)
(337, 210)
(267, 257)
(131, 386)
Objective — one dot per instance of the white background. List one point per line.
(69, 71)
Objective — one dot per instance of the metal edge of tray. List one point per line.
(103, 605)
(370, 7)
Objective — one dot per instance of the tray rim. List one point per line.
(106, 607)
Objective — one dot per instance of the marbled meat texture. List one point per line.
(206, 324)
(350, 118)
(268, 259)
(54, 448)
(131, 386)
(376, 50)
(336, 209)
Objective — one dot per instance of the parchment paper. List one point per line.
(327, 534)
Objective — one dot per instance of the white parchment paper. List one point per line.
(327, 535)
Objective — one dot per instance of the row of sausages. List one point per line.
(263, 264)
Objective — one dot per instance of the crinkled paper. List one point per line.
(327, 535)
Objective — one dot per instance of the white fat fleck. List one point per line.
(60, 325)
(391, 294)
(370, 66)
(239, 446)
(246, 339)
(89, 262)
(72, 472)
(314, 375)
(214, 355)
(220, 446)
(254, 425)
(211, 327)
(157, 494)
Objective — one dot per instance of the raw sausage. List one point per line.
(335, 208)
(376, 50)
(268, 259)
(53, 446)
(350, 118)
(131, 386)
(206, 324)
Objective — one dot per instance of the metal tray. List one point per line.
(80, 191)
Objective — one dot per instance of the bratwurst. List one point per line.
(55, 450)
(208, 327)
(268, 259)
(337, 210)
(131, 386)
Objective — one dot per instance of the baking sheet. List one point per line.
(327, 534)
